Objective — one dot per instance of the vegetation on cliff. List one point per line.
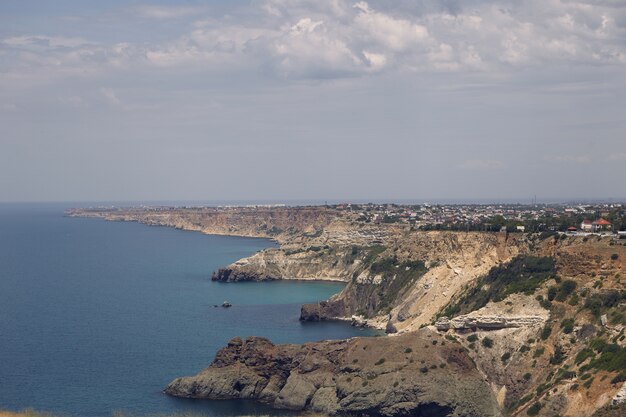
(523, 274)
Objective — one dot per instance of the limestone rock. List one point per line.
(375, 376)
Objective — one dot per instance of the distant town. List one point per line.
(580, 219)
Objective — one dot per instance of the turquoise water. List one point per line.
(99, 316)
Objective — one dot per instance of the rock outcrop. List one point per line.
(417, 374)
(311, 262)
(517, 311)
(470, 321)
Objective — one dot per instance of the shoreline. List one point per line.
(354, 321)
(239, 235)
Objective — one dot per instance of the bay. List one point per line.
(98, 316)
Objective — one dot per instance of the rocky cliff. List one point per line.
(403, 285)
(483, 323)
(417, 374)
(279, 223)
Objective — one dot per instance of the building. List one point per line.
(586, 226)
(602, 225)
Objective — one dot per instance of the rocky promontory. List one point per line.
(418, 374)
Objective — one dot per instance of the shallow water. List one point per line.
(99, 316)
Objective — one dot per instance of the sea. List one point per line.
(97, 317)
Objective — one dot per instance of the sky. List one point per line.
(328, 99)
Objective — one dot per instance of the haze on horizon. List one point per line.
(286, 100)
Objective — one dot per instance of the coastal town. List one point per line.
(575, 219)
(603, 218)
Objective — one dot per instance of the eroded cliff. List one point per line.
(417, 374)
(523, 324)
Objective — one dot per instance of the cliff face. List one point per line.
(277, 223)
(417, 374)
(308, 263)
(533, 326)
(406, 284)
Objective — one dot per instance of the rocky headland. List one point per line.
(482, 323)
(415, 374)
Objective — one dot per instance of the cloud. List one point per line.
(340, 38)
(481, 164)
(167, 12)
(617, 157)
(110, 96)
(43, 42)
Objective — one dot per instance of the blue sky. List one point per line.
(287, 99)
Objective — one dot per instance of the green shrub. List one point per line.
(527, 376)
(621, 377)
(558, 357)
(534, 409)
(552, 293)
(583, 355)
(614, 256)
(408, 350)
(505, 357)
(538, 352)
(487, 342)
(567, 325)
(612, 357)
(472, 338)
(545, 333)
(380, 361)
(565, 289)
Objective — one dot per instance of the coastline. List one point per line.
(443, 287)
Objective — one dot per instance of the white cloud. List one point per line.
(340, 38)
(110, 96)
(167, 12)
(40, 41)
(617, 157)
(388, 32)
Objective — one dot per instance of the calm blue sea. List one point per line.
(99, 316)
